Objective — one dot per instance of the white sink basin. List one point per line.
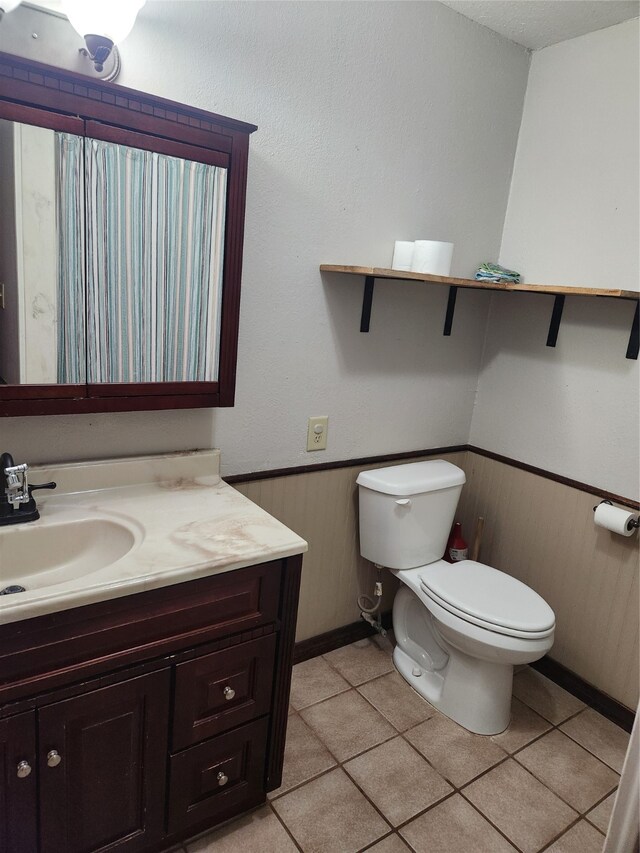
(61, 548)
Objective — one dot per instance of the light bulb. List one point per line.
(8, 5)
(113, 19)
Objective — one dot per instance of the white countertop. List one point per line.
(183, 520)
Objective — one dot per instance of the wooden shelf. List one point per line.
(552, 290)
(559, 292)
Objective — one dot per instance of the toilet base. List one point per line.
(475, 694)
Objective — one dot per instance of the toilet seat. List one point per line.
(488, 598)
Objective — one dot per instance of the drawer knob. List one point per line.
(53, 758)
(222, 779)
(229, 693)
(24, 769)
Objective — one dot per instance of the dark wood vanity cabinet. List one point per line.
(135, 723)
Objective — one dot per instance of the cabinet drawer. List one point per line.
(217, 779)
(221, 690)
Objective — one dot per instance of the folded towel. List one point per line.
(494, 272)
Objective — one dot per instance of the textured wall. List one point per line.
(377, 121)
(572, 219)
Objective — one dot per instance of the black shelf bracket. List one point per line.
(367, 300)
(634, 337)
(451, 307)
(556, 316)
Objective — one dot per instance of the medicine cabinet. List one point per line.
(120, 247)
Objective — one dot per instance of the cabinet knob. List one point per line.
(53, 758)
(229, 693)
(222, 779)
(24, 769)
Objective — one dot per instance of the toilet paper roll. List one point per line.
(615, 519)
(402, 255)
(432, 257)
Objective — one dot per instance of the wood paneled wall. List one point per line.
(536, 529)
(542, 533)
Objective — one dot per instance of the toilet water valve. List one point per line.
(378, 591)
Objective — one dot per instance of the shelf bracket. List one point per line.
(367, 300)
(451, 307)
(634, 337)
(556, 316)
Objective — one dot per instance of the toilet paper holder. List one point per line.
(630, 524)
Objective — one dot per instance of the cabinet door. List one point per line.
(18, 780)
(102, 762)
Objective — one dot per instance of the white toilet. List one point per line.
(459, 627)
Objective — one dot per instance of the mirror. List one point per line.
(111, 261)
(42, 331)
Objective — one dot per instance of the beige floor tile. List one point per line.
(330, 814)
(314, 680)
(455, 753)
(304, 756)
(529, 814)
(454, 827)
(581, 838)
(397, 780)
(600, 736)
(363, 660)
(525, 725)
(347, 724)
(259, 830)
(399, 703)
(544, 696)
(569, 770)
(601, 815)
(391, 844)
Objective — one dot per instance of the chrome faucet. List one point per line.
(17, 504)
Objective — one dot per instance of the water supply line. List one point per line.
(371, 606)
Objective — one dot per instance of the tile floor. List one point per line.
(369, 765)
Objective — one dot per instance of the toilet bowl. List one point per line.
(459, 656)
(460, 627)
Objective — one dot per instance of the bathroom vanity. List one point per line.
(146, 701)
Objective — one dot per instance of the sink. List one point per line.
(65, 546)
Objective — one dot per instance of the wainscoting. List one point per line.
(536, 529)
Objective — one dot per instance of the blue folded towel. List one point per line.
(495, 273)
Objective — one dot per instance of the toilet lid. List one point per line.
(482, 594)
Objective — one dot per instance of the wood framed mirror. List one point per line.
(120, 246)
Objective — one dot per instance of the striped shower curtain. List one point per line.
(154, 249)
(69, 157)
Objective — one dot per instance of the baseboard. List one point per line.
(323, 643)
(572, 683)
(587, 693)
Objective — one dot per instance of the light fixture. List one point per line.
(101, 23)
(7, 6)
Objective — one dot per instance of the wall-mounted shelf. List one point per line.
(372, 273)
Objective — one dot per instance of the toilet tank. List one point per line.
(406, 512)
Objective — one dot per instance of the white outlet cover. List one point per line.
(317, 429)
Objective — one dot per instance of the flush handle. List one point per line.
(404, 502)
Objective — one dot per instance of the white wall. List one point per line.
(572, 219)
(378, 121)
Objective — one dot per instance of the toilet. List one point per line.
(460, 627)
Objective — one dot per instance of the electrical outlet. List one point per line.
(317, 433)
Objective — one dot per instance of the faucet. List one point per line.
(17, 505)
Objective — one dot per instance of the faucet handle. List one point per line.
(50, 485)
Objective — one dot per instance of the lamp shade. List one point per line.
(9, 5)
(111, 18)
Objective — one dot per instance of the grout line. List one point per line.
(285, 827)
